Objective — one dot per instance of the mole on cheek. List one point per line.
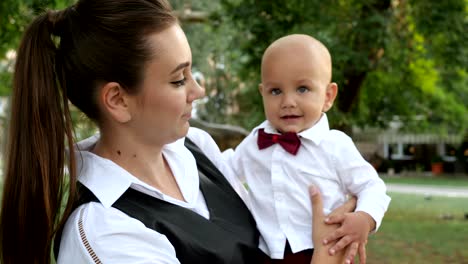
(118, 152)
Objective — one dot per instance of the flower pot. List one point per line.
(437, 168)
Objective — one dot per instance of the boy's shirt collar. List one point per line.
(316, 133)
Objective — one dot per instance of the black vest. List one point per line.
(229, 236)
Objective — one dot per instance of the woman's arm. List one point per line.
(320, 229)
(94, 232)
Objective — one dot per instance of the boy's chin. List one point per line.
(289, 129)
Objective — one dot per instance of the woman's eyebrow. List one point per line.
(180, 66)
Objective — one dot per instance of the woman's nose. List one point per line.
(196, 91)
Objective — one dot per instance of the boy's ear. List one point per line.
(330, 95)
(260, 88)
(114, 101)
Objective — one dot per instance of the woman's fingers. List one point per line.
(335, 219)
(362, 253)
(347, 207)
(350, 205)
(317, 203)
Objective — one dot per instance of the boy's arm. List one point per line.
(358, 178)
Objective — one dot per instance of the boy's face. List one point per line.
(295, 88)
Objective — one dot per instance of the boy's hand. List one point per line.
(355, 228)
(354, 247)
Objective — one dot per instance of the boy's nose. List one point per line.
(288, 101)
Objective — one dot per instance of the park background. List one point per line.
(402, 72)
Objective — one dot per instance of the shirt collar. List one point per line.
(108, 181)
(316, 133)
(102, 177)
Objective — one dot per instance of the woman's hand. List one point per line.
(320, 230)
(335, 221)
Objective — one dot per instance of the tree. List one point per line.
(14, 17)
(392, 59)
(404, 60)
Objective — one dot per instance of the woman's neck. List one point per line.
(145, 162)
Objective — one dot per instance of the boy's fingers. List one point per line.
(338, 233)
(317, 203)
(344, 242)
(351, 252)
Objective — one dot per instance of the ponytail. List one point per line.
(39, 135)
(47, 75)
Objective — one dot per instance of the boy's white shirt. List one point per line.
(115, 237)
(278, 183)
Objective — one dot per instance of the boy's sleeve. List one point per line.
(361, 179)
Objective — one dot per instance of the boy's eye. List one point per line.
(302, 89)
(275, 91)
(179, 82)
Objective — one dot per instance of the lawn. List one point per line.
(417, 230)
(440, 180)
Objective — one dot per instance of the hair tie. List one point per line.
(58, 20)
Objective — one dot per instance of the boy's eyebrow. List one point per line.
(180, 66)
(270, 83)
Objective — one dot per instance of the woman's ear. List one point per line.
(330, 95)
(114, 101)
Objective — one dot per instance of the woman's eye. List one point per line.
(303, 89)
(180, 82)
(275, 91)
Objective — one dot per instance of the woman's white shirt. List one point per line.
(99, 233)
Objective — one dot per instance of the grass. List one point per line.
(442, 180)
(416, 230)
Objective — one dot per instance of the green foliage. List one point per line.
(209, 42)
(402, 60)
(14, 17)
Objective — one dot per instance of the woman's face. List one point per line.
(162, 108)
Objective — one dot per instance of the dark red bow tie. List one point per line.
(289, 141)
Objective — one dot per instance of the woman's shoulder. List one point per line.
(94, 232)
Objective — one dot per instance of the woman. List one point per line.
(126, 65)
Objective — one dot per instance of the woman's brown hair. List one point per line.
(64, 56)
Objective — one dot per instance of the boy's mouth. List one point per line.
(290, 117)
